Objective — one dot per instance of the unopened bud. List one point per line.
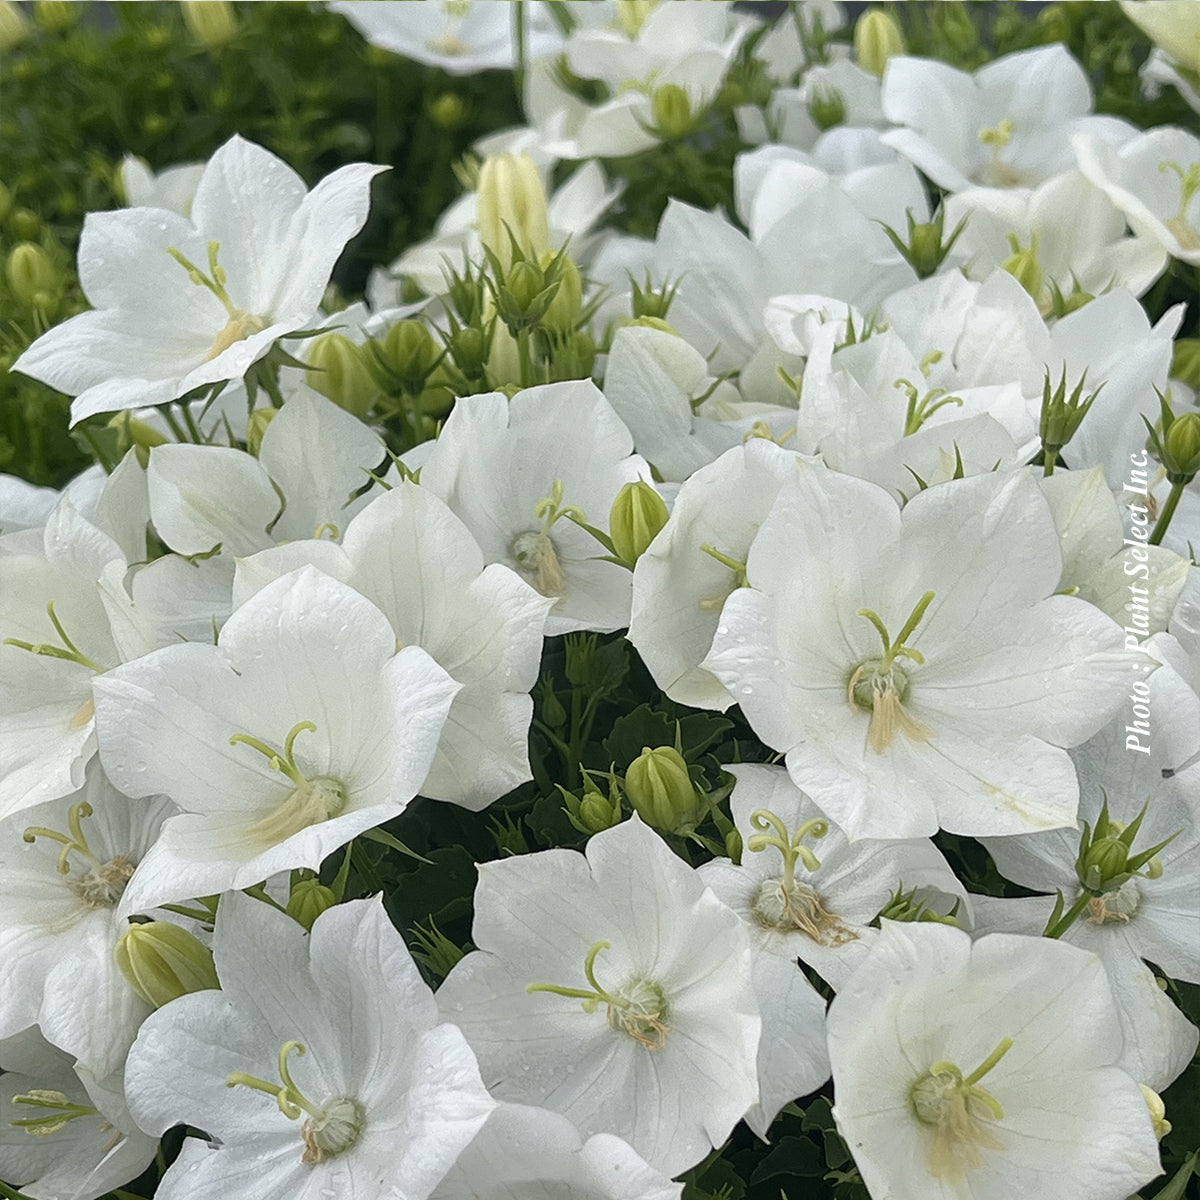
(827, 108)
(405, 356)
(29, 272)
(524, 283)
(211, 22)
(1106, 859)
(24, 223)
(1023, 265)
(572, 357)
(661, 790)
(671, 111)
(1158, 1111)
(14, 26)
(512, 200)
(877, 38)
(6, 196)
(594, 812)
(447, 111)
(136, 435)
(1182, 446)
(567, 305)
(256, 426)
(162, 962)
(309, 899)
(734, 846)
(340, 373)
(638, 514)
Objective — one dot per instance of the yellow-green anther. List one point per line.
(284, 762)
(998, 135)
(75, 842)
(291, 1100)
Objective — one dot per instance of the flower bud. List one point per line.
(404, 357)
(827, 108)
(734, 846)
(309, 899)
(877, 38)
(136, 434)
(163, 962)
(671, 111)
(256, 426)
(1024, 267)
(512, 200)
(1185, 362)
(447, 111)
(1158, 1111)
(14, 26)
(56, 16)
(24, 223)
(1182, 446)
(567, 305)
(594, 812)
(571, 357)
(638, 514)
(211, 22)
(340, 373)
(661, 791)
(29, 272)
(1106, 859)
(6, 196)
(524, 283)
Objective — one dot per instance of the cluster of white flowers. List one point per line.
(876, 475)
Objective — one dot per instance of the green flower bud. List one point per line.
(638, 514)
(653, 323)
(567, 305)
(136, 434)
(309, 899)
(1106, 858)
(1182, 446)
(733, 845)
(163, 962)
(572, 357)
(14, 26)
(211, 22)
(512, 200)
(827, 108)
(661, 791)
(1024, 267)
(29, 272)
(447, 111)
(594, 812)
(524, 283)
(877, 38)
(436, 401)
(405, 356)
(256, 426)
(340, 373)
(469, 348)
(24, 223)
(6, 197)
(671, 111)
(1185, 362)
(56, 16)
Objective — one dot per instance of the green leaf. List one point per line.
(792, 1158)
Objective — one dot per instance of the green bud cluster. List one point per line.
(927, 244)
(596, 810)
(1106, 859)
(1062, 414)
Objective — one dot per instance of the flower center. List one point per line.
(241, 324)
(310, 802)
(534, 551)
(1189, 184)
(639, 1007)
(1116, 907)
(799, 907)
(997, 173)
(880, 686)
(102, 883)
(330, 1129)
(957, 1115)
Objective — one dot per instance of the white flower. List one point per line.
(410, 555)
(459, 36)
(301, 729)
(80, 1141)
(183, 303)
(59, 927)
(934, 676)
(522, 1151)
(366, 1095)
(680, 588)
(1065, 229)
(1154, 179)
(173, 189)
(614, 989)
(512, 470)
(1005, 126)
(985, 1070)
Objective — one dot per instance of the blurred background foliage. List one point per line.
(82, 85)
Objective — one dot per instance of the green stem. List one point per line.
(1068, 919)
(525, 358)
(1164, 518)
(522, 51)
